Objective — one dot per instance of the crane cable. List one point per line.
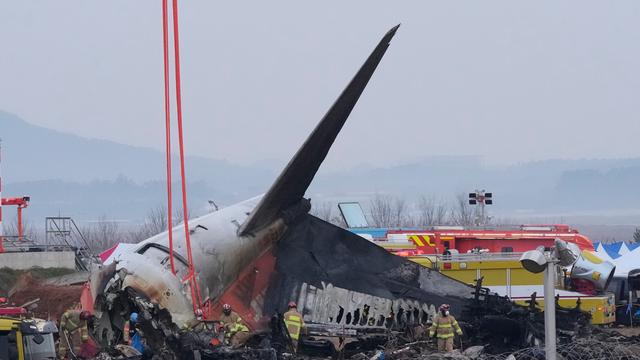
(193, 284)
(167, 117)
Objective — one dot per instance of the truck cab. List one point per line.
(26, 339)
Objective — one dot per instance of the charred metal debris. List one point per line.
(494, 328)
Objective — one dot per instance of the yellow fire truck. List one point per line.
(503, 274)
(22, 339)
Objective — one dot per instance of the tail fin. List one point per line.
(293, 182)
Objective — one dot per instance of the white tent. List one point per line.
(627, 262)
(602, 253)
(624, 249)
(115, 252)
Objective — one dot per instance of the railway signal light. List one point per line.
(482, 198)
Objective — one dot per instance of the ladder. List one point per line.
(63, 230)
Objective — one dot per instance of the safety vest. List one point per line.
(71, 322)
(294, 322)
(228, 320)
(443, 327)
(235, 328)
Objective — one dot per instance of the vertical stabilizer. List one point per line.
(293, 182)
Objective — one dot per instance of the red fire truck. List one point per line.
(439, 239)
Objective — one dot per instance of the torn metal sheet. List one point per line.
(318, 254)
(342, 307)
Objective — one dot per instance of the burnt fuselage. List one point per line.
(219, 257)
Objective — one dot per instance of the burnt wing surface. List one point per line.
(316, 252)
(294, 180)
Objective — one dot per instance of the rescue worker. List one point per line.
(198, 323)
(134, 336)
(74, 332)
(130, 328)
(228, 317)
(236, 333)
(295, 323)
(443, 327)
(195, 336)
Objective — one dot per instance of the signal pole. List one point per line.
(482, 198)
(1, 228)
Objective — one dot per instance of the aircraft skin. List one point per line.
(219, 255)
(225, 242)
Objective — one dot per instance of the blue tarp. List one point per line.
(136, 343)
(612, 249)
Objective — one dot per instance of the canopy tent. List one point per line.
(111, 254)
(623, 249)
(612, 249)
(602, 253)
(627, 262)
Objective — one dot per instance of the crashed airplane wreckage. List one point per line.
(264, 252)
(261, 253)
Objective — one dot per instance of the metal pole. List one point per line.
(630, 307)
(19, 222)
(1, 228)
(550, 310)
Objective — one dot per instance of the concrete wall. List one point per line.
(44, 259)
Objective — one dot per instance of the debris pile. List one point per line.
(53, 300)
(505, 326)
(582, 349)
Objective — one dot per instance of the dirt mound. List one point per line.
(54, 300)
(9, 277)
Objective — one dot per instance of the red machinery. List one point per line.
(520, 239)
(21, 203)
(7, 309)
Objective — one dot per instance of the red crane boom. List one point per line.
(21, 203)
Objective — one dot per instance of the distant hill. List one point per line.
(33, 156)
(542, 187)
(87, 178)
(37, 153)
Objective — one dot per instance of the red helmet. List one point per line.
(444, 307)
(226, 307)
(85, 315)
(292, 304)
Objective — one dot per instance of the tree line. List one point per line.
(384, 210)
(381, 210)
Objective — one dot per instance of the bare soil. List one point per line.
(54, 300)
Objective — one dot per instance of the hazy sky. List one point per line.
(509, 80)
